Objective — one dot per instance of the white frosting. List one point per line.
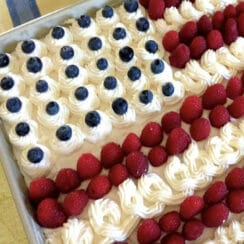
(236, 48)
(188, 11)
(122, 67)
(173, 17)
(205, 6)
(220, 5)
(128, 17)
(162, 27)
(13, 65)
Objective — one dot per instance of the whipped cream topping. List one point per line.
(11, 67)
(206, 6)
(173, 17)
(188, 11)
(237, 47)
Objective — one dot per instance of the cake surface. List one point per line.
(118, 119)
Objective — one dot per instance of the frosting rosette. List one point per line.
(8, 63)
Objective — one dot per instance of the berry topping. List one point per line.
(234, 87)
(197, 47)
(235, 179)
(131, 6)
(146, 96)
(66, 52)
(28, 46)
(64, 133)
(235, 201)
(204, 25)
(157, 66)
(170, 121)
(58, 32)
(172, 3)
(168, 89)
(81, 93)
(88, 166)
(110, 82)
(151, 46)
(180, 56)
(7, 83)
(171, 40)
(34, 64)
(192, 229)
(230, 32)
(215, 215)
(126, 54)
(92, 119)
(107, 12)
(142, 24)
(240, 22)
(84, 21)
(4, 60)
(52, 108)
(50, 213)
(214, 40)
(157, 156)
(72, 71)
(136, 164)
(200, 129)
(134, 73)
(170, 222)
(120, 106)
(131, 143)
(218, 20)
(98, 187)
(148, 231)
(111, 154)
(119, 33)
(75, 202)
(240, 8)
(117, 174)
(13, 104)
(156, 9)
(188, 32)
(230, 11)
(236, 108)
(102, 63)
(67, 180)
(22, 129)
(95, 43)
(219, 116)
(35, 155)
(41, 86)
(144, 3)
(173, 238)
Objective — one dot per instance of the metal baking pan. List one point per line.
(36, 28)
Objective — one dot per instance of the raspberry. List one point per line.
(171, 40)
(151, 134)
(50, 214)
(75, 202)
(235, 179)
(236, 108)
(214, 40)
(170, 121)
(204, 25)
(218, 20)
(191, 206)
(219, 116)
(136, 164)
(200, 129)
(131, 143)
(144, 3)
(111, 154)
(215, 215)
(214, 95)
(234, 87)
(173, 238)
(120, 242)
(156, 9)
(229, 11)
(177, 141)
(192, 229)
(215, 193)
(180, 56)
(240, 25)
(172, 3)
(191, 109)
(148, 231)
(98, 187)
(197, 47)
(188, 31)
(170, 222)
(117, 174)
(42, 188)
(240, 8)
(67, 180)
(88, 166)
(157, 156)
(230, 32)
(235, 201)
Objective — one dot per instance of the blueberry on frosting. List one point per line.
(151, 46)
(110, 82)
(92, 119)
(64, 133)
(22, 129)
(95, 43)
(41, 86)
(157, 66)
(84, 21)
(120, 106)
(168, 89)
(131, 5)
(126, 54)
(66, 52)
(34, 64)
(146, 96)
(28, 46)
(72, 71)
(58, 32)
(7, 83)
(14, 104)
(35, 155)
(119, 33)
(142, 24)
(81, 93)
(107, 12)
(134, 73)
(52, 108)
(102, 63)
(4, 60)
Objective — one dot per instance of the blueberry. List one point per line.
(14, 104)
(72, 71)
(131, 5)
(95, 43)
(120, 106)
(107, 12)
(35, 155)
(92, 119)
(28, 46)
(34, 64)
(110, 82)
(64, 133)
(102, 63)
(157, 66)
(22, 129)
(41, 86)
(58, 32)
(168, 89)
(142, 24)
(66, 52)
(119, 33)
(52, 108)
(4, 60)
(151, 46)
(126, 54)
(146, 96)
(81, 93)
(7, 83)
(84, 21)
(134, 73)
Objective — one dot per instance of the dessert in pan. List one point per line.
(127, 125)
